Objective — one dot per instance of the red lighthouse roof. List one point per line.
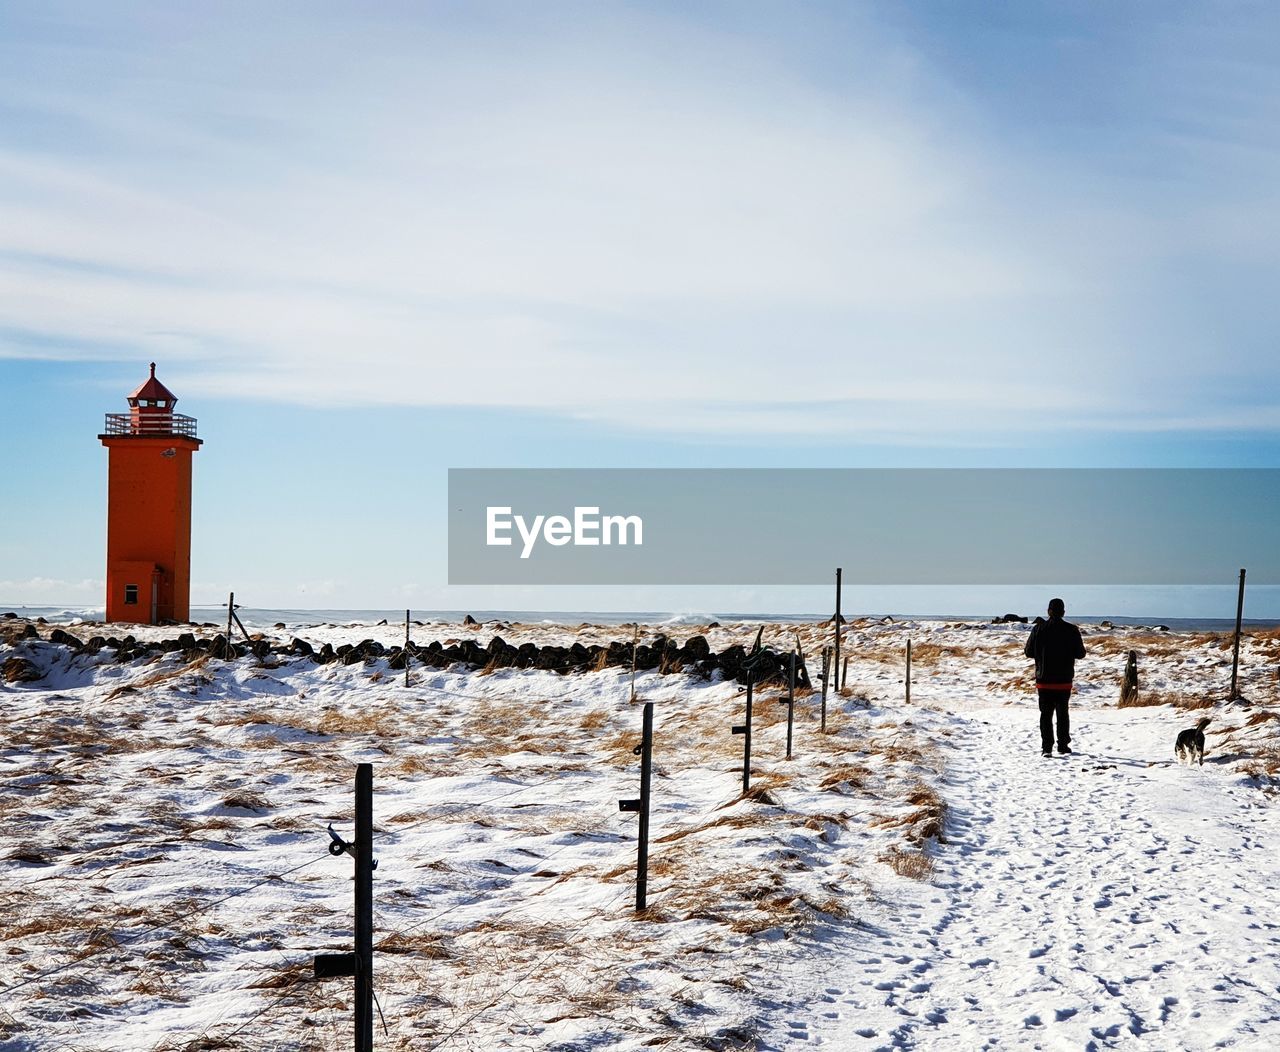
(152, 390)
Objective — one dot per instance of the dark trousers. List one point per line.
(1054, 702)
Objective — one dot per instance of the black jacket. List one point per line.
(1055, 645)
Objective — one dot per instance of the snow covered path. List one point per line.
(1109, 899)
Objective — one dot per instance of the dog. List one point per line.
(1190, 744)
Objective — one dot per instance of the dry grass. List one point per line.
(1151, 698)
(245, 800)
(932, 653)
(846, 778)
(1264, 765)
(915, 865)
(1144, 699)
(429, 945)
(155, 679)
(593, 721)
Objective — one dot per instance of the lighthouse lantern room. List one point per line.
(149, 507)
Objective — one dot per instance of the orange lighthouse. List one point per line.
(149, 507)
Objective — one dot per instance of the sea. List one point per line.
(294, 618)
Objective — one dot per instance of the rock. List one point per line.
(95, 643)
(220, 648)
(496, 646)
(29, 632)
(469, 620)
(1009, 619)
(65, 639)
(41, 621)
(647, 657)
(696, 648)
(714, 624)
(326, 654)
(10, 616)
(279, 624)
(19, 670)
(1106, 624)
(187, 641)
(383, 621)
(301, 647)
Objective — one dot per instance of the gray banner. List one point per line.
(915, 526)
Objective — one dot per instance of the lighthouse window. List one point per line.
(131, 594)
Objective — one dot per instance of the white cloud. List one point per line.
(618, 221)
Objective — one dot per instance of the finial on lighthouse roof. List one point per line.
(153, 370)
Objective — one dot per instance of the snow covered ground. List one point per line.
(916, 878)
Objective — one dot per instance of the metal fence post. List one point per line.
(745, 730)
(790, 702)
(642, 806)
(358, 964)
(826, 675)
(836, 661)
(364, 908)
(908, 672)
(1235, 654)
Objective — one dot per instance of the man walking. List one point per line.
(1055, 645)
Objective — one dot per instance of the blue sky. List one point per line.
(366, 245)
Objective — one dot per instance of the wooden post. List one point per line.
(1235, 653)
(364, 908)
(1129, 686)
(231, 607)
(908, 672)
(844, 672)
(406, 648)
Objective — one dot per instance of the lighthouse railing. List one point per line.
(157, 424)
